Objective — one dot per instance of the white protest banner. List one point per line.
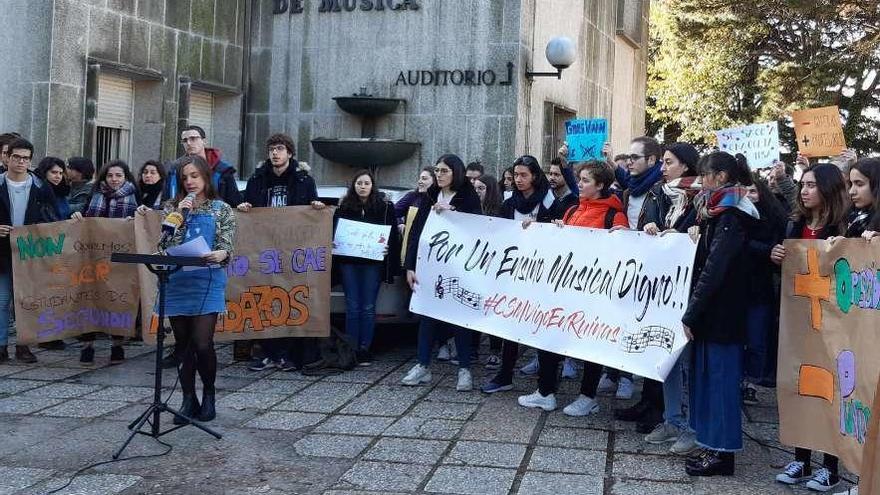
(759, 143)
(361, 239)
(611, 298)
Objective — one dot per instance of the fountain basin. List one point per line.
(367, 106)
(365, 152)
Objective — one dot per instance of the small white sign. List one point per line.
(759, 143)
(361, 239)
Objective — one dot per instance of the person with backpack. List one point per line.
(597, 208)
(362, 278)
(451, 191)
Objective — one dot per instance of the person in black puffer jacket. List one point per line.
(715, 318)
(451, 191)
(361, 277)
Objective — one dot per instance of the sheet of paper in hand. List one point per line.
(361, 239)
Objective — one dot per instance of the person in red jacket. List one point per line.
(597, 208)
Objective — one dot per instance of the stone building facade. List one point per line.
(247, 68)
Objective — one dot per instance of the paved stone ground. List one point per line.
(357, 432)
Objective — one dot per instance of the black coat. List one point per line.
(545, 213)
(40, 209)
(719, 298)
(654, 207)
(762, 237)
(384, 215)
(562, 205)
(796, 227)
(464, 201)
(301, 188)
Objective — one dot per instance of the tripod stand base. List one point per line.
(155, 409)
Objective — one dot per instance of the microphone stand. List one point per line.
(162, 266)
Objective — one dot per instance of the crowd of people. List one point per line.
(738, 218)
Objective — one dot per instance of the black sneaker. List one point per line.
(261, 364)
(87, 355)
(23, 354)
(117, 354)
(749, 395)
(4, 354)
(364, 358)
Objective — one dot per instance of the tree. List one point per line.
(719, 63)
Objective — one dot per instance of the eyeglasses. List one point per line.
(189, 139)
(442, 171)
(633, 157)
(20, 158)
(277, 149)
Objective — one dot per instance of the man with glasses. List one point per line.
(642, 204)
(280, 181)
(24, 200)
(223, 174)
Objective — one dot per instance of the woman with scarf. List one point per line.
(51, 169)
(715, 317)
(114, 195)
(451, 191)
(151, 182)
(531, 201)
(490, 200)
(821, 214)
(676, 213)
(597, 208)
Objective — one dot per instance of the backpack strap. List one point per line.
(609, 217)
(568, 213)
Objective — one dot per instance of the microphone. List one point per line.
(192, 197)
(170, 225)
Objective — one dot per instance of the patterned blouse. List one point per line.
(225, 227)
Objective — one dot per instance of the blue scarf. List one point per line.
(639, 185)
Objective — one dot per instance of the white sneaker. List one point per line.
(443, 353)
(531, 368)
(465, 380)
(536, 400)
(582, 406)
(686, 443)
(663, 433)
(417, 375)
(569, 369)
(852, 491)
(606, 386)
(792, 474)
(624, 389)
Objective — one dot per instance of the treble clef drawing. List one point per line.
(450, 287)
(651, 336)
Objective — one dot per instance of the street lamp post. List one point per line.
(561, 53)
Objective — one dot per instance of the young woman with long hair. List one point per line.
(531, 201)
(864, 191)
(194, 299)
(51, 169)
(151, 182)
(715, 318)
(452, 191)
(114, 195)
(821, 211)
(414, 198)
(361, 278)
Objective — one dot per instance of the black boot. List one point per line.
(207, 412)
(713, 464)
(189, 408)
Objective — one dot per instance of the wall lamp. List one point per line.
(561, 53)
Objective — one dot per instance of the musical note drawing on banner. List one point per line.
(450, 286)
(652, 336)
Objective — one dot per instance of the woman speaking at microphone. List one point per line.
(193, 299)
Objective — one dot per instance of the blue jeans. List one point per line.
(428, 327)
(759, 319)
(715, 412)
(675, 411)
(5, 299)
(361, 285)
